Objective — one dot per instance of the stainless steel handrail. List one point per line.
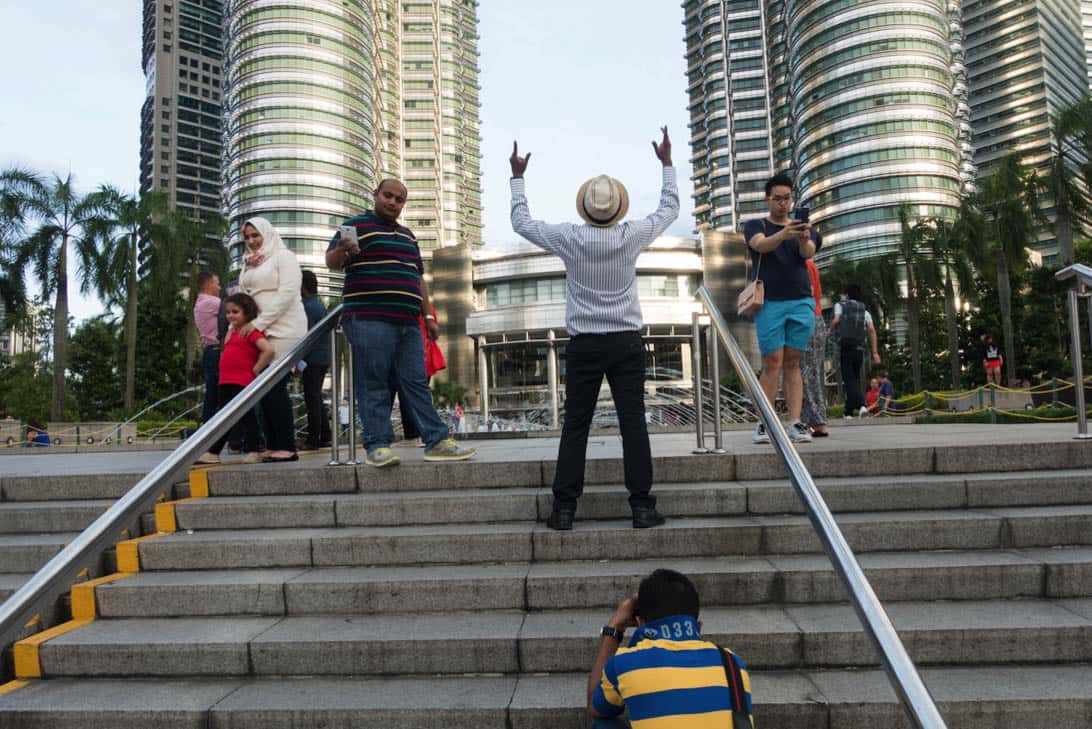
(901, 672)
(1081, 277)
(56, 576)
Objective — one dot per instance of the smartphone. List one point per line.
(801, 214)
(349, 231)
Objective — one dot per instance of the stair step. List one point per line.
(683, 537)
(484, 641)
(9, 583)
(792, 579)
(28, 552)
(980, 697)
(609, 502)
(81, 487)
(38, 517)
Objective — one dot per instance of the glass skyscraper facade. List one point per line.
(327, 97)
(1086, 23)
(1026, 61)
(865, 106)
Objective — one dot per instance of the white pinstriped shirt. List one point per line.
(600, 263)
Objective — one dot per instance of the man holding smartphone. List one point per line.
(384, 294)
(779, 245)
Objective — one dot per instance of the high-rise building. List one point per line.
(1086, 23)
(1026, 61)
(862, 104)
(327, 97)
(180, 122)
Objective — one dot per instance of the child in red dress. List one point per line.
(240, 362)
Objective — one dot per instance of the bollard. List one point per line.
(335, 401)
(695, 357)
(993, 404)
(352, 406)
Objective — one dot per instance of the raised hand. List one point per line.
(663, 149)
(519, 164)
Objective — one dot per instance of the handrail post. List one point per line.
(695, 366)
(352, 403)
(901, 672)
(1078, 365)
(335, 400)
(714, 364)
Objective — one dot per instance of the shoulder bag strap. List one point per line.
(740, 718)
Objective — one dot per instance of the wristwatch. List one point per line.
(617, 633)
(430, 317)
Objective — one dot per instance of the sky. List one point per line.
(584, 86)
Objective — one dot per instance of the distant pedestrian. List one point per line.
(37, 435)
(853, 326)
(206, 316)
(318, 363)
(814, 409)
(603, 319)
(779, 247)
(872, 397)
(992, 360)
(887, 394)
(244, 357)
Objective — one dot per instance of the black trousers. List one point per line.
(852, 361)
(278, 423)
(621, 357)
(247, 426)
(318, 418)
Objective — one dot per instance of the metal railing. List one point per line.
(1081, 282)
(901, 672)
(43, 590)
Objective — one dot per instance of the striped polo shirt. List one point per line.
(669, 678)
(600, 263)
(383, 281)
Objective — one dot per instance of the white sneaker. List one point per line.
(760, 434)
(799, 433)
(381, 458)
(863, 412)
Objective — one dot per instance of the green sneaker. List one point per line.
(381, 457)
(449, 450)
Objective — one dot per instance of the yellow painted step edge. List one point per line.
(25, 651)
(10, 686)
(166, 519)
(83, 595)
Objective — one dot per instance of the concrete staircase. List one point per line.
(432, 596)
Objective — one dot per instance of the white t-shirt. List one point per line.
(838, 312)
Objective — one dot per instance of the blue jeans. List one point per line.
(210, 366)
(608, 724)
(380, 350)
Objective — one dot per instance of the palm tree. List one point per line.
(912, 257)
(1070, 130)
(953, 244)
(1009, 198)
(49, 214)
(126, 221)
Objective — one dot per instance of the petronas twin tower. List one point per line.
(870, 104)
(325, 97)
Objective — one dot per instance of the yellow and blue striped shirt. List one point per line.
(669, 678)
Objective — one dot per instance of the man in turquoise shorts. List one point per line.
(779, 247)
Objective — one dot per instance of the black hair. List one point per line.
(309, 283)
(665, 593)
(203, 278)
(246, 303)
(853, 291)
(778, 180)
(35, 424)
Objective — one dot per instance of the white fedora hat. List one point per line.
(602, 201)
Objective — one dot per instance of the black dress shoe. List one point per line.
(561, 519)
(646, 517)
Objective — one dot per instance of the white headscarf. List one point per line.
(271, 243)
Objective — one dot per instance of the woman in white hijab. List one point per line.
(271, 275)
